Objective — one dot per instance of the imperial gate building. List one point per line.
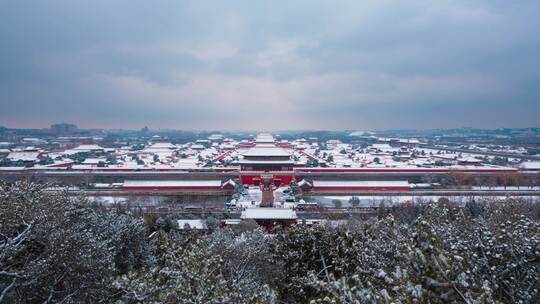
(266, 156)
(266, 159)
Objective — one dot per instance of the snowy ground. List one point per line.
(143, 201)
(253, 194)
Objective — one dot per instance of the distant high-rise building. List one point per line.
(63, 129)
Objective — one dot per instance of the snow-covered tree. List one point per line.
(219, 268)
(444, 256)
(56, 249)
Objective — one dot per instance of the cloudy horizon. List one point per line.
(245, 65)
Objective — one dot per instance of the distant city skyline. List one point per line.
(246, 65)
(54, 127)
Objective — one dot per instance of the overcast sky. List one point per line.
(270, 64)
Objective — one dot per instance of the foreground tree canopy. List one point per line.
(55, 249)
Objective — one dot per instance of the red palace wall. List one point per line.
(171, 188)
(250, 179)
(267, 168)
(330, 189)
(419, 170)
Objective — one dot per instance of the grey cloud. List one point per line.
(246, 64)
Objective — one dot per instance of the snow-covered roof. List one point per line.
(269, 213)
(530, 165)
(91, 161)
(23, 156)
(381, 146)
(230, 182)
(265, 145)
(264, 138)
(409, 140)
(446, 156)
(82, 167)
(311, 221)
(193, 224)
(360, 183)
(176, 183)
(88, 148)
(12, 168)
(215, 137)
(304, 182)
(227, 146)
(266, 162)
(469, 160)
(274, 152)
(162, 145)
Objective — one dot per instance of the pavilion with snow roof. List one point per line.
(270, 217)
(266, 156)
(266, 159)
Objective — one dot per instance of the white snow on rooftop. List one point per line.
(276, 152)
(530, 165)
(193, 224)
(23, 156)
(360, 183)
(268, 162)
(269, 213)
(264, 138)
(88, 147)
(183, 183)
(161, 146)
